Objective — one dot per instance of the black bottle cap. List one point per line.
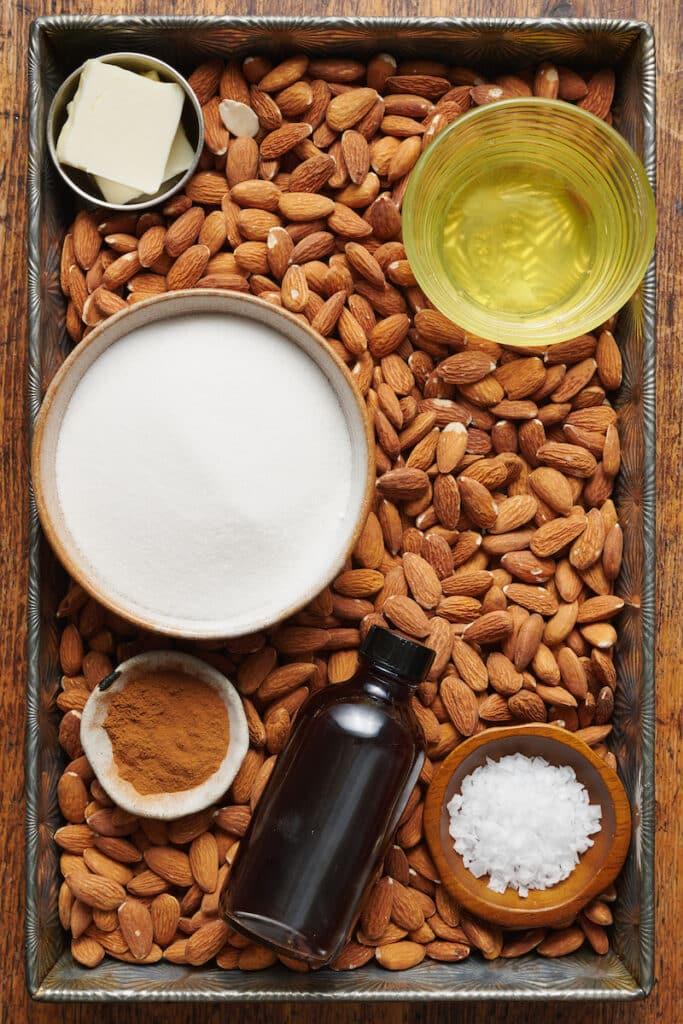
(405, 659)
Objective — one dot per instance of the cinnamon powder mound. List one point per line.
(169, 732)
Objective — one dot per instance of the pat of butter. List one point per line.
(179, 159)
(121, 126)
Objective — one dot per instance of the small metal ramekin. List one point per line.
(79, 181)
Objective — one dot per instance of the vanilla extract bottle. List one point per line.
(331, 806)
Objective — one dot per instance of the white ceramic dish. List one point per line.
(98, 749)
(307, 581)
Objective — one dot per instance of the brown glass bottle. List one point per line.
(331, 806)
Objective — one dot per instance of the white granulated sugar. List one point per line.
(523, 822)
(204, 467)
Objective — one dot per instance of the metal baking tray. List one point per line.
(57, 46)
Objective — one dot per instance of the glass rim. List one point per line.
(504, 328)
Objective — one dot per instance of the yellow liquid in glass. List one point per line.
(518, 240)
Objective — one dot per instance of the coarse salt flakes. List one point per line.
(523, 822)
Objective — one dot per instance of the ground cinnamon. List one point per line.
(168, 731)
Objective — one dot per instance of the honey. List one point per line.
(517, 242)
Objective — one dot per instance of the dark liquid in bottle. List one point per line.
(326, 817)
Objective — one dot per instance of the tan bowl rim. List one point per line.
(569, 903)
(53, 535)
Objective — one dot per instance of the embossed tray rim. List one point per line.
(51, 975)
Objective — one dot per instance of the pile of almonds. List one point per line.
(493, 538)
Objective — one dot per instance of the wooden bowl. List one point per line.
(194, 304)
(597, 868)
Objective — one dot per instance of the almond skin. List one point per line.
(422, 580)
(203, 857)
(346, 110)
(407, 615)
(461, 705)
(376, 912)
(170, 864)
(136, 926)
(103, 893)
(399, 956)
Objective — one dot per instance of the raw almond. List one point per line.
(95, 891)
(553, 488)
(86, 951)
(568, 458)
(359, 582)
(561, 942)
(71, 650)
(477, 502)
(100, 864)
(188, 267)
(527, 706)
(376, 911)
(451, 447)
(206, 942)
(406, 910)
(304, 206)
(165, 912)
(594, 609)
(170, 864)
(399, 956)
(136, 927)
(346, 110)
(514, 512)
(489, 628)
(203, 856)
(284, 139)
(447, 499)
(447, 952)
(407, 615)
(486, 937)
(284, 74)
(72, 797)
(352, 956)
(556, 534)
(470, 665)
(422, 580)
(294, 289)
(403, 484)
(461, 704)
(311, 175)
(535, 599)
(587, 548)
(525, 566)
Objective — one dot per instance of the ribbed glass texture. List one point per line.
(573, 180)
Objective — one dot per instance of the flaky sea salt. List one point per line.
(523, 822)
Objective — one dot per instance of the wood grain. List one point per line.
(664, 1006)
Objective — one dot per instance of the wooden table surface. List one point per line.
(666, 1003)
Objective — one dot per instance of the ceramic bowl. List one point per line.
(309, 581)
(597, 868)
(82, 183)
(98, 748)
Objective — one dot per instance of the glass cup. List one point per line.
(529, 221)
